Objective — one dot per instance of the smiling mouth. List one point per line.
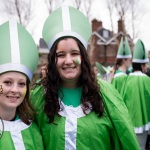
(12, 98)
(69, 68)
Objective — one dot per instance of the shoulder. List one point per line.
(112, 100)
(37, 97)
(107, 88)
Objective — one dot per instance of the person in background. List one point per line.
(95, 69)
(75, 111)
(42, 76)
(148, 72)
(43, 70)
(102, 72)
(136, 93)
(123, 62)
(18, 60)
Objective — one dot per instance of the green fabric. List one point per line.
(71, 97)
(119, 116)
(6, 142)
(17, 117)
(136, 95)
(31, 137)
(113, 131)
(118, 71)
(118, 82)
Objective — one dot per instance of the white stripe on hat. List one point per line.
(140, 60)
(14, 42)
(66, 19)
(124, 56)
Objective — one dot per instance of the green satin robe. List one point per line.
(19, 136)
(76, 131)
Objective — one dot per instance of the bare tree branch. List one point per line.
(21, 9)
(110, 10)
(87, 7)
(78, 3)
(49, 5)
(134, 16)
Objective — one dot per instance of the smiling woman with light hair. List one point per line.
(18, 60)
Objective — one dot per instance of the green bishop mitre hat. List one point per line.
(66, 21)
(18, 51)
(124, 49)
(139, 53)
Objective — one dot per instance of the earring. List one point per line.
(1, 89)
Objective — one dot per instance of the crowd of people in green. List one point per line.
(71, 108)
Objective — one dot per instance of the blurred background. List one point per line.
(110, 20)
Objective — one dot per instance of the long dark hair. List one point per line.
(91, 90)
(25, 109)
(118, 63)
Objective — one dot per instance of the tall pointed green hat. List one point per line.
(66, 21)
(18, 51)
(124, 49)
(139, 53)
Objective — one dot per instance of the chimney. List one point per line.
(121, 26)
(96, 25)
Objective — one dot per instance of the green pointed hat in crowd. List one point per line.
(139, 53)
(101, 69)
(18, 51)
(66, 21)
(124, 49)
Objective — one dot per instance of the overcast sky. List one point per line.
(99, 11)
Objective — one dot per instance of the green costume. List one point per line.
(136, 96)
(136, 93)
(76, 131)
(19, 136)
(118, 80)
(124, 52)
(18, 54)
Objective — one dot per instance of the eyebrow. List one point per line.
(76, 50)
(70, 50)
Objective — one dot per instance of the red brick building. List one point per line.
(104, 43)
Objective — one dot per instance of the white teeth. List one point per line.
(13, 98)
(69, 68)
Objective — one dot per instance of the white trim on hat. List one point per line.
(16, 67)
(67, 34)
(14, 42)
(140, 60)
(124, 56)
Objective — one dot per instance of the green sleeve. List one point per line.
(37, 100)
(118, 113)
(115, 142)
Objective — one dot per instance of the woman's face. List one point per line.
(95, 70)
(144, 67)
(127, 62)
(68, 61)
(13, 90)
